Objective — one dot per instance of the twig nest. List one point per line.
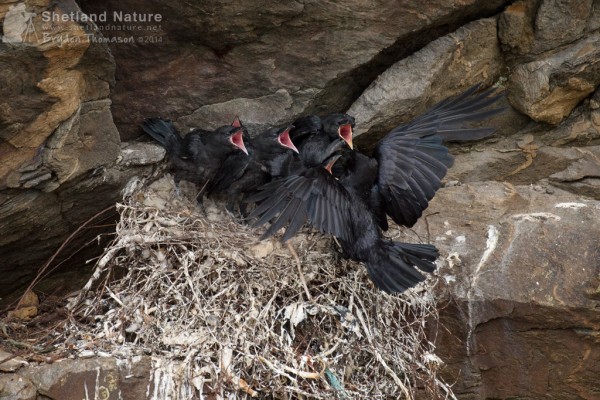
(222, 312)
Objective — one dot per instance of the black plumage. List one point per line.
(197, 156)
(399, 181)
(316, 196)
(311, 133)
(409, 163)
(240, 175)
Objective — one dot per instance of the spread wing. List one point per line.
(314, 196)
(412, 159)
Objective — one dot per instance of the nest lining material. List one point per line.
(224, 315)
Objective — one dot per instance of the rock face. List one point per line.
(447, 66)
(298, 55)
(106, 378)
(56, 134)
(551, 45)
(522, 285)
(548, 88)
(58, 143)
(60, 93)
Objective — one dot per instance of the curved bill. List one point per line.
(236, 122)
(345, 132)
(238, 141)
(285, 141)
(332, 161)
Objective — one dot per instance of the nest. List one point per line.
(224, 315)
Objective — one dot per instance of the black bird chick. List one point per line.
(241, 175)
(311, 132)
(409, 163)
(312, 135)
(198, 156)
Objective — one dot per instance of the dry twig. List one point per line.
(217, 319)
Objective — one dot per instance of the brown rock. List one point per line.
(515, 27)
(321, 54)
(443, 68)
(9, 363)
(519, 313)
(76, 379)
(549, 88)
(136, 154)
(53, 70)
(530, 27)
(23, 313)
(135, 377)
(86, 140)
(582, 176)
(98, 378)
(257, 114)
(56, 134)
(27, 307)
(16, 387)
(62, 48)
(594, 20)
(559, 22)
(29, 239)
(30, 299)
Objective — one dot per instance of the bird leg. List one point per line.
(243, 207)
(230, 206)
(200, 196)
(177, 189)
(300, 273)
(341, 250)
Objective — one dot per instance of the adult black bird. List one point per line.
(399, 180)
(409, 163)
(317, 196)
(198, 155)
(240, 175)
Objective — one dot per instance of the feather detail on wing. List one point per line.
(412, 159)
(314, 197)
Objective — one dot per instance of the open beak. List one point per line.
(236, 123)
(237, 140)
(285, 141)
(332, 161)
(345, 132)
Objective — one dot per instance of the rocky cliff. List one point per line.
(517, 221)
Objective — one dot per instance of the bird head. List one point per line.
(283, 138)
(232, 135)
(328, 164)
(237, 139)
(339, 126)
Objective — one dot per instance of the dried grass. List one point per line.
(226, 316)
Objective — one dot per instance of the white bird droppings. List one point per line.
(574, 206)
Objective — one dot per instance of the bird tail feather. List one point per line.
(393, 265)
(164, 133)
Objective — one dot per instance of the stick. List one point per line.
(57, 252)
(295, 255)
(239, 383)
